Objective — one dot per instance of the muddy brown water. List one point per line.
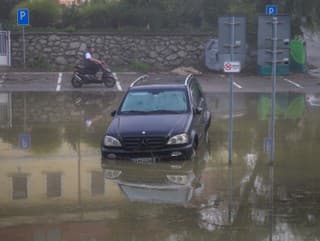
(55, 187)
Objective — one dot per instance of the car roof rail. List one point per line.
(142, 77)
(189, 77)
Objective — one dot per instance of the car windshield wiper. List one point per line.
(134, 112)
(165, 112)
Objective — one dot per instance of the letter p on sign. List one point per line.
(23, 16)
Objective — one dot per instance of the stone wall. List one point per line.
(45, 108)
(62, 50)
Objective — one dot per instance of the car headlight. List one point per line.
(112, 174)
(178, 179)
(179, 139)
(111, 141)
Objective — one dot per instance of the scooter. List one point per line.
(81, 76)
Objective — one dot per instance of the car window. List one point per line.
(151, 101)
(196, 93)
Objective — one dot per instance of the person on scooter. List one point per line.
(91, 64)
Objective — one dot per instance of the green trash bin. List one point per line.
(298, 56)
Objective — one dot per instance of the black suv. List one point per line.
(158, 120)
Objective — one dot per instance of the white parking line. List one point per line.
(237, 85)
(59, 82)
(118, 86)
(294, 83)
(2, 79)
(117, 82)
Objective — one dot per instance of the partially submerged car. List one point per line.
(158, 119)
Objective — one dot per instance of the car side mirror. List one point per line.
(113, 113)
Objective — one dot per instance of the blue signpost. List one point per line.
(269, 143)
(23, 16)
(271, 9)
(23, 20)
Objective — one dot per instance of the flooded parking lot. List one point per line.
(55, 187)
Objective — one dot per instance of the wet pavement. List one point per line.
(211, 82)
(54, 186)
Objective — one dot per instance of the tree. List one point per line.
(6, 7)
(43, 13)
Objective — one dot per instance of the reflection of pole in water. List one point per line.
(24, 112)
(271, 176)
(79, 170)
(230, 196)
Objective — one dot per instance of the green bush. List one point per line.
(155, 15)
(69, 18)
(42, 13)
(138, 66)
(38, 63)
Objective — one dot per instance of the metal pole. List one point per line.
(271, 228)
(9, 48)
(24, 47)
(231, 93)
(24, 112)
(10, 110)
(274, 81)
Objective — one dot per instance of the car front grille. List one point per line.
(144, 142)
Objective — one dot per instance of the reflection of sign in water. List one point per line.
(267, 142)
(24, 141)
(288, 106)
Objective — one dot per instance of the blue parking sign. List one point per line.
(24, 141)
(271, 10)
(267, 142)
(23, 16)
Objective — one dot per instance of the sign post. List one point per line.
(273, 10)
(274, 83)
(23, 20)
(231, 67)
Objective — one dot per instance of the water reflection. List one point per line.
(165, 182)
(278, 213)
(288, 106)
(214, 196)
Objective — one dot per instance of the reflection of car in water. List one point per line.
(313, 99)
(163, 182)
(219, 105)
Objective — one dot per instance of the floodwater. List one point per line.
(54, 186)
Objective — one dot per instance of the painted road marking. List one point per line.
(2, 79)
(237, 85)
(294, 83)
(59, 82)
(117, 82)
(118, 86)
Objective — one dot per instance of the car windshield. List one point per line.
(155, 102)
